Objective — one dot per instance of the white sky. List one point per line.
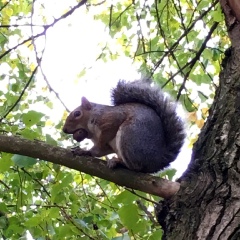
(70, 49)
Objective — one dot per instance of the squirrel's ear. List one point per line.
(86, 104)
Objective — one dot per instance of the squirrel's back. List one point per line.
(153, 97)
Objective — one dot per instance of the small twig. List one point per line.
(144, 209)
(39, 62)
(119, 16)
(104, 192)
(84, 191)
(22, 25)
(4, 5)
(69, 218)
(4, 184)
(195, 59)
(37, 181)
(146, 199)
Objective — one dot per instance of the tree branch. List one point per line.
(93, 166)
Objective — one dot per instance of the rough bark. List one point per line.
(207, 205)
(93, 166)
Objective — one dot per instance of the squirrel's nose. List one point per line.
(65, 130)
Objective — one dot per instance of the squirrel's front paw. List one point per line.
(77, 151)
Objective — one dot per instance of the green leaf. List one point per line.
(11, 99)
(53, 212)
(129, 216)
(82, 73)
(9, 12)
(216, 55)
(170, 173)
(3, 222)
(15, 87)
(124, 237)
(74, 208)
(65, 230)
(217, 14)
(124, 197)
(29, 134)
(31, 118)
(5, 162)
(50, 140)
(14, 229)
(156, 235)
(49, 104)
(57, 193)
(203, 4)
(3, 207)
(23, 161)
(33, 221)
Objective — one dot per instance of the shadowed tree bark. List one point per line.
(207, 205)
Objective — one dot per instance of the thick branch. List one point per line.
(93, 166)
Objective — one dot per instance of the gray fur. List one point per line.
(156, 135)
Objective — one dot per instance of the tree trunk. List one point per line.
(207, 205)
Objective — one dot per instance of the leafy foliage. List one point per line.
(177, 43)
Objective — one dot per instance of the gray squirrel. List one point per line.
(142, 127)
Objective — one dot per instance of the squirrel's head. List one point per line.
(77, 121)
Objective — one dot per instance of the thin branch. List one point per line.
(4, 184)
(119, 16)
(104, 192)
(52, 90)
(102, 203)
(4, 5)
(23, 42)
(205, 70)
(21, 25)
(140, 36)
(39, 62)
(140, 196)
(180, 15)
(96, 4)
(149, 214)
(165, 43)
(84, 192)
(149, 52)
(195, 59)
(39, 183)
(74, 223)
(110, 17)
(191, 63)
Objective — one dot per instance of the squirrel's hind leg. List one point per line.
(115, 162)
(139, 144)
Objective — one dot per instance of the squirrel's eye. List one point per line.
(77, 114)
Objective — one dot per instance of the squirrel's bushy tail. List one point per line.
(173, 126)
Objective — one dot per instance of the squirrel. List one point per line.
(142, 127)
